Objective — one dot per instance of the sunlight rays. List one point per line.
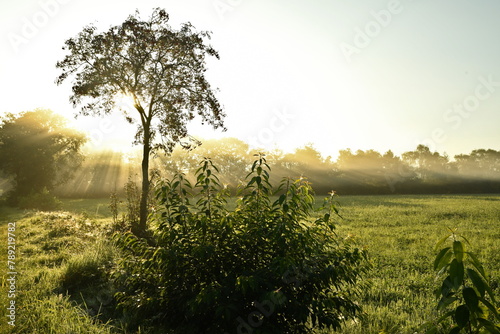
(101, 174)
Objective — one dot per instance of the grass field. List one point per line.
(398, 231)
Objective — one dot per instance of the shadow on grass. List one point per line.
(10, 214)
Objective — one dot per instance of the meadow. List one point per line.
(63, 259)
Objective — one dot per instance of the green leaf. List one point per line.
(477, 281)
(455, 330)
(432, 329)
(446, 300)
(491, 327)
(254, 164)
(258, 179)
(251, 182)
(442, 258)
(445, 316)
(281, 199)
(471, 299)
(458, 250)
(446, 287)
(200, 178)
(462, 316)
(476, 263)
(440, 242)
(491, 307)
(457, 273)
(490, 293)
(466, 240)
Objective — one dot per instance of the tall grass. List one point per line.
(54, 249)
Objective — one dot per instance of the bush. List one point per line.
(43, 201)
(265, 267)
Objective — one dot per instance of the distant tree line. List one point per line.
(361, 172)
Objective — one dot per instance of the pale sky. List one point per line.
(367, 74)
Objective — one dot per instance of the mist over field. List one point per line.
(359, 172)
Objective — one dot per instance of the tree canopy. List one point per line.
(38, 150)
(162, 70)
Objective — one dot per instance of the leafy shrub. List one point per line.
(466, 300)
(43, 201)
(267, 266)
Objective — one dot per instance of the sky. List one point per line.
(338, 74)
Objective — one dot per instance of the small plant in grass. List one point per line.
(114, 204)
(268, 266)
(466, 303)
(133, 199)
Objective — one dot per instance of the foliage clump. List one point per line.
(38, 152)
(467, 303)
(267, 266)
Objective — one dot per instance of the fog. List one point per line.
(359, 172)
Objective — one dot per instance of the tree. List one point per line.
(38, 150)
(306, 160)
(430, 165)
(159, 68)
(481, 164)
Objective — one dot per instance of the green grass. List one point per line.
(96, 208)
(400, 233)
(64, 256)
(52, 249)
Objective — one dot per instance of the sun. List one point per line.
(124, 101)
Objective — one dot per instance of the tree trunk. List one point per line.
(143, 209)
